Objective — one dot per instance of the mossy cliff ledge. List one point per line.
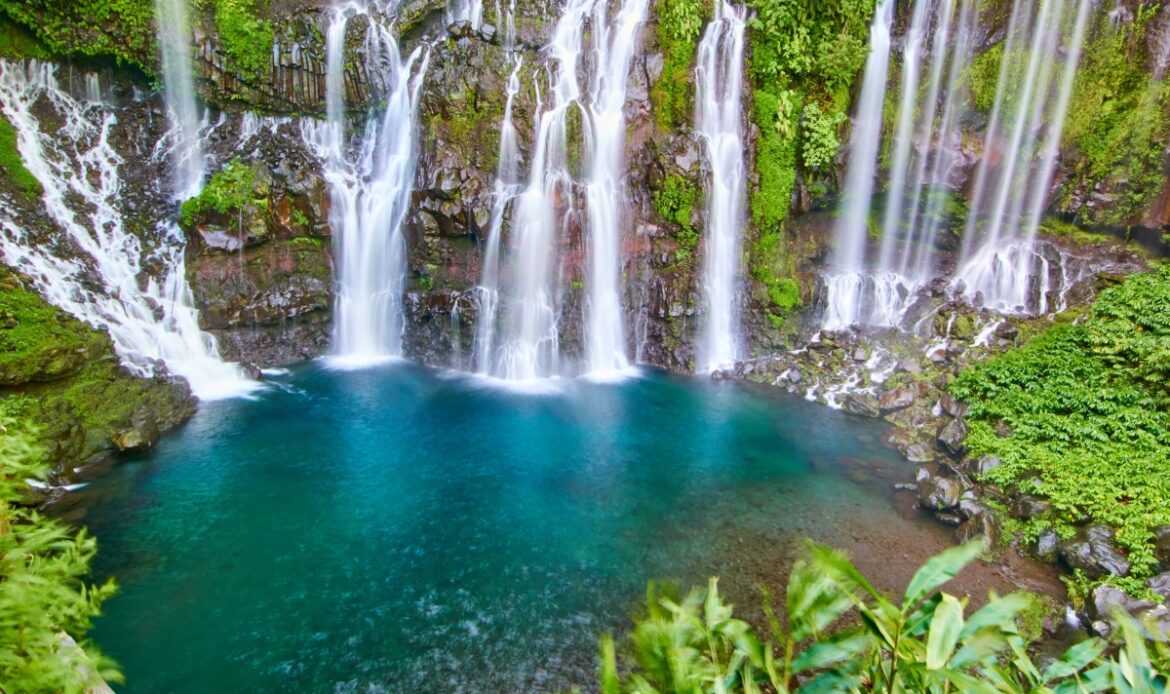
(62, 380)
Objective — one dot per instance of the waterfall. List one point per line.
(719, 124)
(94, 271)
(470, 11)
(174, 39)
(370, 185)
(613, 49)
(1000, 266)
(507, 186)
(845, 282)
(544, 208)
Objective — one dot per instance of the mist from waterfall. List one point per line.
(1000, 265)
(97, 270)
(174, 40)
(846, 279)
(370, 182)
(719, 125)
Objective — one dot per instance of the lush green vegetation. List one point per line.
(1118, 121)
(119, 29)
(229, 189)
(1080, 415)
(840, 634)
(245, 36)
(677, 201)
(679, 24)
(44, 593)
(11, 162)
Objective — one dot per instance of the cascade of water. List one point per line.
(842, 283)
(174, 40)
(369, 191)
(507, 187)
(719, 124)
(94, 272)
(470, 11)
(1003, 269)
(613, 49)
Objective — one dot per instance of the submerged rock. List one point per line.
(939, 493)
(862, 404)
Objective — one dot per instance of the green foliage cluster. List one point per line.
(679, 24)
(44, 594)
(245, 36)
(983, 76)
(38, 341)
(118, 29)
(776, 115)
(1088, 411)
(1119, 118)
(822, 41)
(11, 162)
(676, 201)
(229, 189)
(840, 634)
(18, 41)
(819, 143)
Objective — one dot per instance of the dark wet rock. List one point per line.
(1048, 545)
(1107, 599)
(1160, 585)
(896, 399)
(979, 467)
(985, 525)
(920, 453)
(862, 404)
(952, 407)
(1028, 506)
(939, 493)
(1093, 551)
(953, 438)
(140, 435)
(949, 518)
(1162, 544)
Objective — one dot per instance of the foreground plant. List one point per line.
(45, 601)
(840, 634)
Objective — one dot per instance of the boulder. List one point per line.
(1160, 585)
(1028, 506)
(1048, 545)
(979, 467)
(1162, 544)
(952, 438)
(1093, 551)
(898, 399)
(939, 493)
(862, 404)
(919, 453)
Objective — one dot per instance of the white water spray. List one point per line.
(94, 271)
(719, 124)
(370, 186)
(174, 39)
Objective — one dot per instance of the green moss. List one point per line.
(1117, 125)
(983, 76)
(679, 24)
(676, 201)
(245, 36)
(119, 29)
(775, 158)
(18, 42)
(38, 342)
(12, 164)
(229, 189)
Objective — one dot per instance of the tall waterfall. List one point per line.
(847, 282)
(719, 123)
(370, 182)
(470, 11)
(174, 39)
(507, 186)
(94, 271)
(545, 208)
(1000, 266)
(613, 49)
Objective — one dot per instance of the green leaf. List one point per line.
(944, 632)
(833, 650)
(1075, 659)
(610, 683)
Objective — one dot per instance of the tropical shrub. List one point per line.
(840, 634)
(45, 599)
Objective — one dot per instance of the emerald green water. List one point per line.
(401, 529)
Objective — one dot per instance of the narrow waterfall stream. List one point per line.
(847, 283)
(613, 49)
(174, 34)
(719, 123)
(370, 182)
(98, 281)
